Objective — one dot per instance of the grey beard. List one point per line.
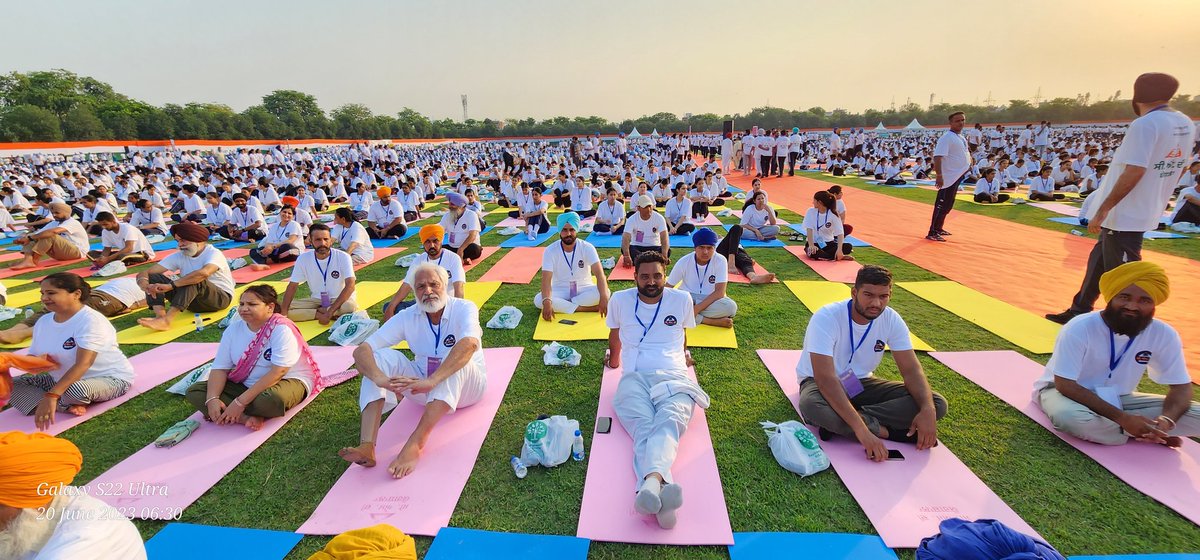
(432, 307)
(28, 531)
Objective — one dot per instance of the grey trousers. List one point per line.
(882, 403)
(1080, 421)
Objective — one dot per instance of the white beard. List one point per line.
(433, 306)
(28, 531)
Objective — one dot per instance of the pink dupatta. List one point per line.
(245, 365)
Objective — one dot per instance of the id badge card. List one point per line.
(325, 301)
(1110, 395)
(431, 364)
(639, 236)
(451, 238)
(574, 289)
(851, 383)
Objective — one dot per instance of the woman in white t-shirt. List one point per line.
(283, 243)
(987, 188)
(678, 213)
(610, 215)
(825, 238)
(361, 201)
(83, 343)
(1041, 188)
(758, 221)
(263, 366)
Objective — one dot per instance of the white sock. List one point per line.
(647, 501)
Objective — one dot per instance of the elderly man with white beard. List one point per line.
(447, 371)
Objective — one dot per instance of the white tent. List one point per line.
(914, 125)
(634, 133)
(655, 133)
(880, 128)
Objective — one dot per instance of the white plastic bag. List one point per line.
(608, 263)
(555, 354)
(156, 238)
(406, 260)
(195, 376)
(1185, 227)
(236, 263)
(352, 329)
(548, 441)
(111, 269)
(508, 317)
(587, 227)
(795, 448)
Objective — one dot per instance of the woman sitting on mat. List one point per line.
(836, 191)
(262, 369)
(283, 242)
(987, 188)
(1041, 188)
(758, 221)
(610, 215)
(825, 238)
(755, 190)
(83, 343)
(678, 213)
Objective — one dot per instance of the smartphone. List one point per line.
(603, 425)
(895, 455)
(567, 321)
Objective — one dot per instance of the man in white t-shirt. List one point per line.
(447, 371)
(62, 239)
(951, 162)
(121, 242)
(330, 276)
(704, 274)
(204, 281)
(1139, 184)
(431, 241)
(645, 230)
(386, 217)
(843, 345)
(656, 396)
(463, 229)
(1089, 387)
(572, 278)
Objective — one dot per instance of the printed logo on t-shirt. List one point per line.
(335, 274)
(1143, 357)
(712, 278)
(654, 229)
(462, 226)
(670, 321)
(449, 341)
(267, 354)
(879, 345)
(69, 343)
(580, 263)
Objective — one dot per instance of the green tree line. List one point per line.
(58, 105)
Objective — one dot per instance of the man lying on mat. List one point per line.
(1088, 389)
(431, 239)
(446, 373)
(839, 394)
(262, 369)
(62, 239)
(706, 285)
(36, 471)
(572, 277)
(462, 229)
(645, 230)
(655, 397)
(330, 276)
(115, 297)
(91, 368)
(204, 284)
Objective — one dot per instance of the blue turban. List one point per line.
(704, 236)
(456, 199)
(985, 538)
(568, 218)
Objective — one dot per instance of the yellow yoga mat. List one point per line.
(366, 293)
(815, 294)
(23, 298)
(1009, 322)
(970, 198)
(589, 326)
(11, 283)
(184, 322)
(478, 292)
(708, 336)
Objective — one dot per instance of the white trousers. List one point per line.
(1080, 421)
(720, 309)
(562, 302)
(464, 388)
(654, 424)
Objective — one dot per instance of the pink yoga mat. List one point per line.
(905, 500)
(158, 483)
(607, 512)
(518, 266)
(834, 271)
(245, 275)
(86, 271)
(1058, 207)
(421, 503)
(1170, 476)
(487, 252)
(43, 264)
(626, 273)
(152, 368)
(381, 254)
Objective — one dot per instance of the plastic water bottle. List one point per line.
(199, 323)
(577, 447)
(518, 467)
(1077, 232)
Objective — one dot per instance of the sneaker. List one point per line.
(944, 233)
(1061, 318)
(935, 237)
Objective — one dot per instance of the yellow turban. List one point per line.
(1145, 275)
(432, 231)
(369, 543)
(33, 465)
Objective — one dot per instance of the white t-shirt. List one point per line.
(659, 344)
(756, 218)
(828, 334)
(222, 278)
(1181, 200)
(956, 159)
(1161, 142)
(75, 233)
(570, 266)
(356, 233)
(280, 233)
(460, 319)
(282, 349)
(458, 230)
(126, 233)
(90, 529)
(826, 225)
(644, 233)
(700, 280)
(139, 218)
(448, 260)
(1082, 351)
(677, 210)
(381, 216)
(324, 275)
(983, 187)
(252, 214)
(87, 329)
(124, 289)
(610, 214)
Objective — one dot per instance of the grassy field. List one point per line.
(1075, 504)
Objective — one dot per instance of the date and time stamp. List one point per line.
(110, 492)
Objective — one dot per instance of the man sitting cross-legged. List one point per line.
(572, 277)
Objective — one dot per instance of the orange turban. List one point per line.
(291, 201)
(431, 231)
(384, 191)
(30, 364)
(32, 466)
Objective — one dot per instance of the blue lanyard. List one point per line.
(825, 220)
(699, 278)
(1159, 108)
(850, 330)
(646, 328)
(325, 272)
(570, 261)
(1113, 359)
(437, 335)
(282, 233)
(342, 237)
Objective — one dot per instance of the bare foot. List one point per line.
(8, 336)
(256, 266)
(1173, 441)
(363, 455)
(77, 410)
(847, 257)
(766, 278)
(724, 322)
(405, 462)
(23, 265)
(255, 423)
(155, 323)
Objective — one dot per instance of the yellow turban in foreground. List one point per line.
(431, 231)
(34, 465)
(379, 542)
(1145, 275)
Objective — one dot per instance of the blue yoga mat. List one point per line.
(1139, 557)
(754, 243)
(184, 541)
(856, 242)
(827, 546)
(614, 241)
(230, 244)
(380, 243)
(1065, 220)
(1148, 235)
(519, 240)
(465, 544)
